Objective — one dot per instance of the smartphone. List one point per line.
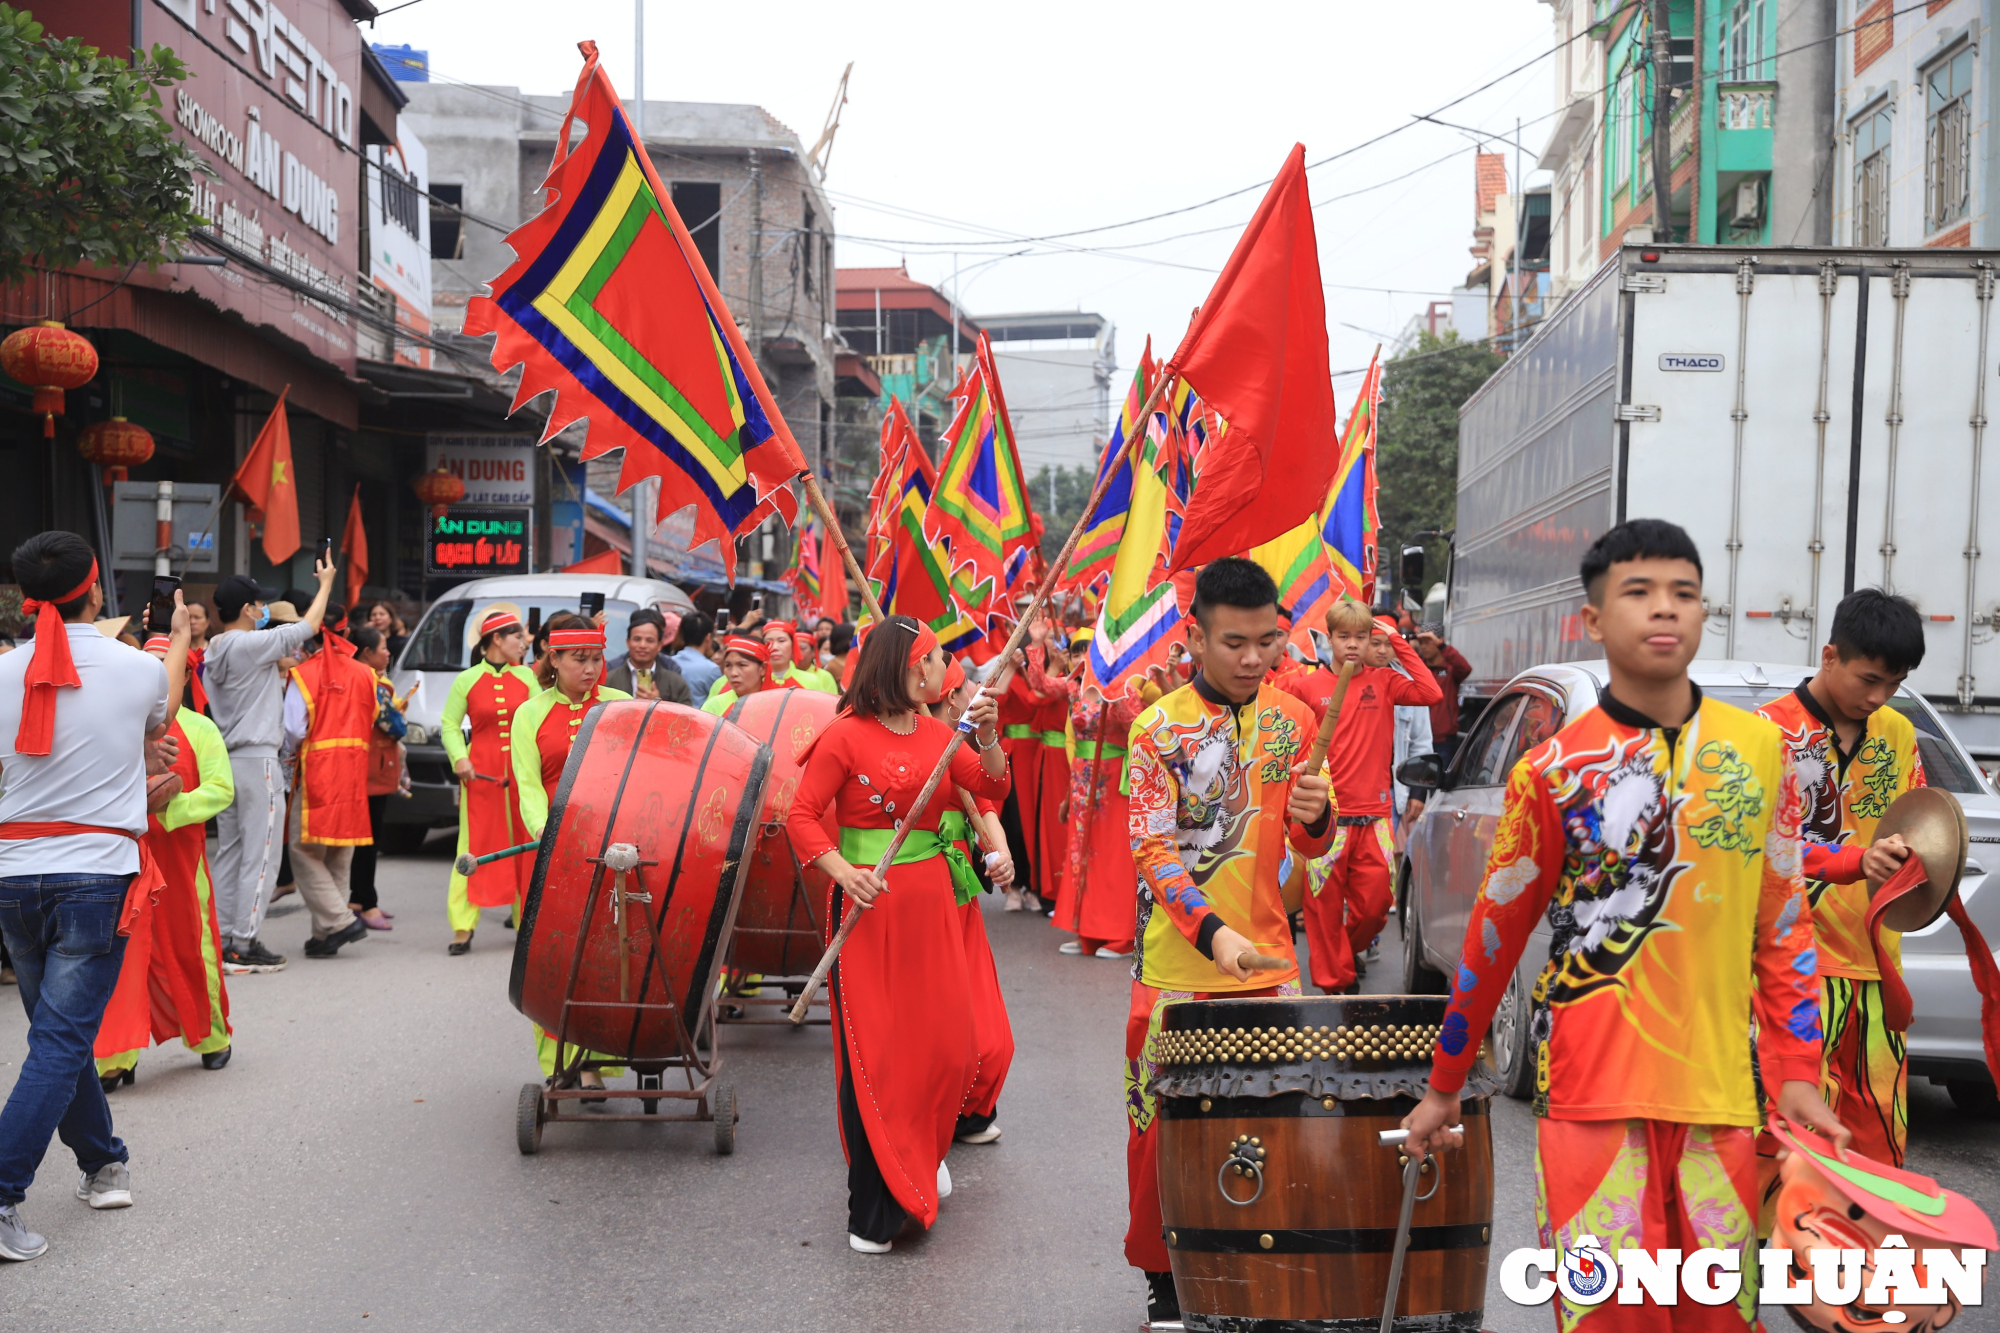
(160, 607)
(757, 602)
(326, 552)
(593, 602)
(534, 622)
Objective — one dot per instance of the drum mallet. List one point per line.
(1412, 1168)
(621, 858)
(467, 862)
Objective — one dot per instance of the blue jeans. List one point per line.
(63, 933)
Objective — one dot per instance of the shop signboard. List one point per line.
(271, 101)
(398, 236)
(473, 542)
(496, 469)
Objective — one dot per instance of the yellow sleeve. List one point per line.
(451, 722)
(217, 785)
(526, 757)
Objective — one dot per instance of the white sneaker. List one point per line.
(1014, 903)
(1070, 947)
(860, 1246)
(1106, 951)
(109, 1187)
(944, 1181)
(991, 1134)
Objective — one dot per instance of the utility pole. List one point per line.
(756, 258)
(1514, 302)
(1663, 114)
(644, 508)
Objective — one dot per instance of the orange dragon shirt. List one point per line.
(1667, 860)
(1210, 781)
(1845, 797)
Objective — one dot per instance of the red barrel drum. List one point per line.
(776, 931)
(684, 787)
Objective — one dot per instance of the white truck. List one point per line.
(1815, 418)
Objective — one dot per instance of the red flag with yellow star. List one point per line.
(265, 482)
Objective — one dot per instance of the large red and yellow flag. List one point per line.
(1256, 353)
(610, 307)
(1347, 521)
(1098, 547)
(885, 497)
(265, 481)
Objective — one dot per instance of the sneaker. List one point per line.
(854, 1242)
(1014, 903)
(943, 1182)
(1106, 951)
(991, 1134)
(16, 1241)
(109, 1187)
(251, 957)
(1163, 1304)
(1071, 947)
(1373, 953)
(328, 947)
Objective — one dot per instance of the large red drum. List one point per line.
(684, 787)
(776, 932)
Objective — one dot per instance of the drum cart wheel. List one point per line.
(722, 1104)
(528, 1120)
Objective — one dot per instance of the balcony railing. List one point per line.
(1746, 106)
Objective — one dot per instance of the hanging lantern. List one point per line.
(440, 490)
(48, 358)
(115, 445)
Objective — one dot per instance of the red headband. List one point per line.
(576, 638)
(926, 641)
(748, 647)
(158, 643)
(498, 621)
(52, 669)
(954, 676)
(785, 625)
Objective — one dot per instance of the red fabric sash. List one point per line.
(1897, 1008)
(52, 669)
(145, 885)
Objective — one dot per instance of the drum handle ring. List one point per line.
(1222, 1186)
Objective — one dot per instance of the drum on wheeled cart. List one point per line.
(778, 938)
(629, 910)
(1281, 1204)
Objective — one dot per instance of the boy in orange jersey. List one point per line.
(1219, 789)
(1855, 757)
(1659, 832)
(1348, 890)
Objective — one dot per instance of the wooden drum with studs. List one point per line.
(1279, 1201)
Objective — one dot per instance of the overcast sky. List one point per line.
(969, 123)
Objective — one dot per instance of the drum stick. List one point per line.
(1324, 739)
(1006, 654)
(468, 863)
(1262, 962)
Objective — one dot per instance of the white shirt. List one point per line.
(95, 770)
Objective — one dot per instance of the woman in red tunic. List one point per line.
(1098, 899)
(489, 696)
(903, 1032)
(992, 1034)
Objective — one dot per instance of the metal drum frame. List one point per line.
(697, 1056)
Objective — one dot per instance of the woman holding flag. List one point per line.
(902, 1003)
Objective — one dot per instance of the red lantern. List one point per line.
(115, 445)
(440, 490)
(48, 358)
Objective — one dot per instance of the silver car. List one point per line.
(1446, 858)
(441, 647)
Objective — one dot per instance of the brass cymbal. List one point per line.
(1932, 823)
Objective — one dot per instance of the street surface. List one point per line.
(356, 1161)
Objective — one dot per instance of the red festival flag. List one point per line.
(608, 561)
(980, 511)
(885, 500)
(354, 549)
(1256, 352)
(610, 307)
(832, 579)
(265, 482)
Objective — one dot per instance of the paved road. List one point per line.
(356, 1161)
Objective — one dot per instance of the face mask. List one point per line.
(263, 618)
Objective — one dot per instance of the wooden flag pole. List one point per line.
(1006, 655)
(1324, 739)
(816, 498)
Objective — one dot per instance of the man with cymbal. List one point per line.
(1854, 758)
(1219, 790)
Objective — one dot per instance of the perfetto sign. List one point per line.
(271, 102)
(478, 542)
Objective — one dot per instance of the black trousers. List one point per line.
(872, 1211)
(1018, 846)
(361, 877)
